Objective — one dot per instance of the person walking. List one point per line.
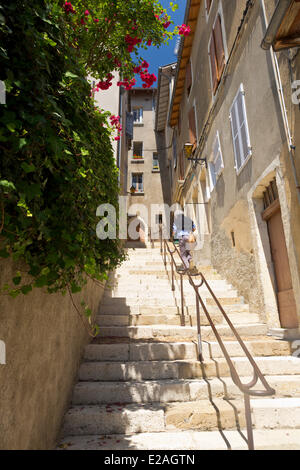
(183, 230)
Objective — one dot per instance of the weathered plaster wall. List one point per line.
(233, 255)
(44, 340)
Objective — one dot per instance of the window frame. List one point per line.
(142, 153)
(140, 121)
(157, 169)
(212, 162)
(245, 160)
(211, 37)
(138, 191)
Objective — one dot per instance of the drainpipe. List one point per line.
(276, 70)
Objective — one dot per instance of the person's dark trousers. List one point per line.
(184, 251)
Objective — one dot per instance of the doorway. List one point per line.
(283, 279)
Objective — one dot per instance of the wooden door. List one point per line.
(284, 287)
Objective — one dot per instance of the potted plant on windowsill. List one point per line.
(138, 157)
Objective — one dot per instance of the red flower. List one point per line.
(86, 12)
(184, 30)
(68, 7)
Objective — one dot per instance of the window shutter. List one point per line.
(189, 77)
(192, 126)
(218, 159)
(213, 63)
(208, 5)
(219, 45)
(129, 125)
(240, 131)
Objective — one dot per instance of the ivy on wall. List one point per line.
(56, 158)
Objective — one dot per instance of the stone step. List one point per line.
(177, 332)
(133, 285)
(164, 299)
(114, 307)
(187, 320)
(170, 391)
(185, 350)
(199, 415)
(163, 275)
(276, 439)
(131, 419)
(184, 369)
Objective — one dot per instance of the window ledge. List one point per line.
(137, 160)
(138, 194)
(138, 124)
(156, 171)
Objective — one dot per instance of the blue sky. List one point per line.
(165, 54)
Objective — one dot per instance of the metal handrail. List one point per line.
(246, 389)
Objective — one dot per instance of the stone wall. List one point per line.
(44, 340)
(238, 268)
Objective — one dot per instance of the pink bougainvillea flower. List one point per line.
(145, 64)
(86, 12)
(96, 20)
(184, 30)
(166, 24)
(68, 7)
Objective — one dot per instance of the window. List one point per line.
(155, 164)
(138, 150)
(217, 53)
(192, 126)
(189, 78)
(138, 182)
(216, 164)
(240, 130)
(138, 116)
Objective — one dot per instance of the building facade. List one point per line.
(146, 168)
(229, 104)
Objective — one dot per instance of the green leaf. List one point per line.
(28, 168)
(71, 75)
(7, 186)
(26, 289)
(75, 288)
(22, 143)
(17, 280)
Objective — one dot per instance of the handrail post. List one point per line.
(172, 268)
(200, 350)
(161, 239)
(249, 422)
(182, 300)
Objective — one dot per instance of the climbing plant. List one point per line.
(57, 164)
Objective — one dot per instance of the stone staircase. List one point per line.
(140, 384)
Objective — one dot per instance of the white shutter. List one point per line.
(213, 179)
(218, 159)
(240, 130)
